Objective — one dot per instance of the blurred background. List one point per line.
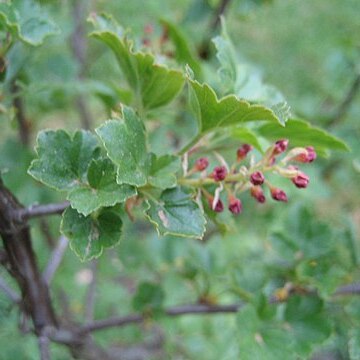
(309, 50)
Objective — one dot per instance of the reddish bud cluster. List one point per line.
(201, 164)
(243, 151)
(218, 206)
(258, 194)
(257, 178)
(219, 173)
(301, 180)
(308, 156)
(278, 194)
(235, 205)
(280, 146)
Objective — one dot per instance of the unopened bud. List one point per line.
(243, 151)
(301, 180)
(219, 173)
(280, 146)
(148, 29)
(235, 205)
(257, 178)
(307, 156)
(258, 194)
(201, 164)
(278, 194)
(218, 206)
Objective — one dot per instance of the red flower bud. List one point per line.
(258, 194)
(301, 180)
(219, 173)
(243, 151)
(149, 28)
(280, 146)
(257, 178)
(201, 164)
(308, 156)
(278, 194)
(218, 207)
(235, 205)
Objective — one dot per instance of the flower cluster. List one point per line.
(238, 177)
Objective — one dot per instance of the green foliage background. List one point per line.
(310, 51)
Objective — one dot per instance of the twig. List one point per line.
(9, 292)
(42, 210)
(91, 293)
(44, 347)
(346, 103)
(78, 45)
(175, 311)
(351, 289)
(218, 13)
(45, 230)
(55, 259)
(18, 103)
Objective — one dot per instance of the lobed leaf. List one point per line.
(175, 213)
(89, 235)
(63, 159)
(154, 85)
(101, 189)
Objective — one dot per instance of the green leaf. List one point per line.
(101, 190)
(149, 297)
(31, 29)
(354, 344)
(302, 133)
(175, 213)
(308, 322)
(154, 85)
(212, 113)
(63, 159)
(163, 170)
(125, 143)
(183, 52)
(89, 235)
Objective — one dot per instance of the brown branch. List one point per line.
(55, 259)
(24, 128)
(175, 311)
(15, 233)
(41, 210)
(220, 10)
(347, 101)
(78, 45)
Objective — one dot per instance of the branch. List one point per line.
(42, 210)
(219, 12)
(44, 347)
(351, 289)
(346, 103)
(18, 104)
(78, 45)
(175, 311)
(55, 259)
(9, 292)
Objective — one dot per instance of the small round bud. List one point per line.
(235, 205)
(219, 173)
(301, 180)
(278, 194)
(218, 207)
(149, 28)
(201, 164)
(257, 178)
(307, 156)
(280, 146)
(243, 151)
(258, 194)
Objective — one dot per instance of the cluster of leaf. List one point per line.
(98, 179)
